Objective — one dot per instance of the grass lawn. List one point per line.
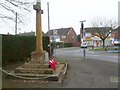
(103, 49)
(61, 60)
(100, 49)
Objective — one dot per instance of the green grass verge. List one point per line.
(100, 49)
(61, 60)
(103, 49)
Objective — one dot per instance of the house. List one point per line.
(66, 35)
(92, 36)
(116, 35)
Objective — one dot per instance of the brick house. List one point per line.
(91, 39)
(116, 35)
(66, 35)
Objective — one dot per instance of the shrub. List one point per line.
(67, 44)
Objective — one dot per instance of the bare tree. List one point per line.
(103, 28)
(8, 9)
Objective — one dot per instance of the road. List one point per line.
(78, 52)
(98, 70)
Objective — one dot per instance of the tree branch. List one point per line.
(6, 17)
(12, 3)
(13, 6)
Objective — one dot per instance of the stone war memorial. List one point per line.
(37, 67)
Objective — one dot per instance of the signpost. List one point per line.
(83, 36)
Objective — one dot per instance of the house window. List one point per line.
(72, 37)
(63, 36)
(88, 34)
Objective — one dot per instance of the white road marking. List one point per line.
(114, 79)
(93, 55)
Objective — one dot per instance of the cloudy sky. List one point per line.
(119, 13)
(67, 13)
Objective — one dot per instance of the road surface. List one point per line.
(78, 52)
(97, 70)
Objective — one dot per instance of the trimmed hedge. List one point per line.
(17, 48)
(57, 45)
(61, 45)
(67, 44)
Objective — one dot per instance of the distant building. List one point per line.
(94, 40)
(66, 35)
(116, 35)
(29, 34)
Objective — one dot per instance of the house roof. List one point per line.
(27, 34)
(94, 29)
(61, 31)
(117, 29)
(32, 33)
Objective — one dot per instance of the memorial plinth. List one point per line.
(38, 57)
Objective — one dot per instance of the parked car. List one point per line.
(84, 45)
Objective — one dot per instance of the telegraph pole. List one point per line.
(49, 28)
(16, 23)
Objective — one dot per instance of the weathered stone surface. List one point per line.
(39, 46)
(38, 57)
(59, 68)
(32, 65)
(34, 70)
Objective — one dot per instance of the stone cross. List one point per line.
(38, 56)
(37, 7)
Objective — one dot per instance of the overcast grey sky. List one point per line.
(119, 13)
(68, 13)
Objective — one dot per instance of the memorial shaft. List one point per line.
(39, 46)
